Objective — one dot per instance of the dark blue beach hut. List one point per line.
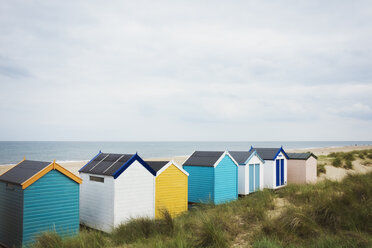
(213, 177)
(36, 197)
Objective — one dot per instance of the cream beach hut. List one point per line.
(275, 167)
(250, 171)
(302, 168)
(115, 188)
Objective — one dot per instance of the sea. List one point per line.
(14, 151)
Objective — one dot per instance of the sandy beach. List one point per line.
(332, 172)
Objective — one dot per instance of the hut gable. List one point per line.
(134, 194)
(58, 194)
(28, 172)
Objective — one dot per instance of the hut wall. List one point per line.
(269, 174)
(243, 180)
(11, 217)
(297, 171)
(311, 170)
(201, 183)
(97, 202)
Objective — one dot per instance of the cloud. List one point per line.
(357, 111)
(185, 70)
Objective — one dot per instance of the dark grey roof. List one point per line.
(203, 158)
(241, 156)
(106, 164)
(267, 153)
(157, 165)
(302, 156)
(23, 171)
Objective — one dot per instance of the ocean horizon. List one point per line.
(13, 151)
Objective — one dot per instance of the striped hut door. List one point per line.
(277, 172)
(282, 172)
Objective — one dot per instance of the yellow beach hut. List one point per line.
(170, 188)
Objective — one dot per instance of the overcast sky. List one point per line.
(186, 70)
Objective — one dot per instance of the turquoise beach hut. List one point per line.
(213, 177)
(37, 197)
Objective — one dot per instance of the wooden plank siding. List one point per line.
(97, 202)
(134, 194)
(226, 181)
(201, 183)
(51, 204)
(11, 205)
(171, 192)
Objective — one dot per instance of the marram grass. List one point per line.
(326, 214)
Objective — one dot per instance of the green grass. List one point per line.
(321, 169)
(326, 214)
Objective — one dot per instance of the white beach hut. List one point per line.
(275, 167)
(250, 172)
(115, 188)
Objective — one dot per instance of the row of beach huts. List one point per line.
(37, 196)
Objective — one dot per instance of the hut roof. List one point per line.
(160, 166)
(111, 164)
(301, 156)
(157, 165)
(29, 171)
(203, 158)
(269, 153)
(241, 157)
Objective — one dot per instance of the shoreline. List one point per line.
(74, 166)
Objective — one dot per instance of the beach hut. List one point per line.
(37, 197)
(275, 168)
(250, 172)
(170, 188)
(213, 177)
(116, 188)
(302, 168)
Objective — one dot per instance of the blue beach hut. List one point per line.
(36, 197)
(213, 177)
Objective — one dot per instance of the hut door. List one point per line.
(251, 178)
(277, 172)
(282, 172)
(257, 177)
